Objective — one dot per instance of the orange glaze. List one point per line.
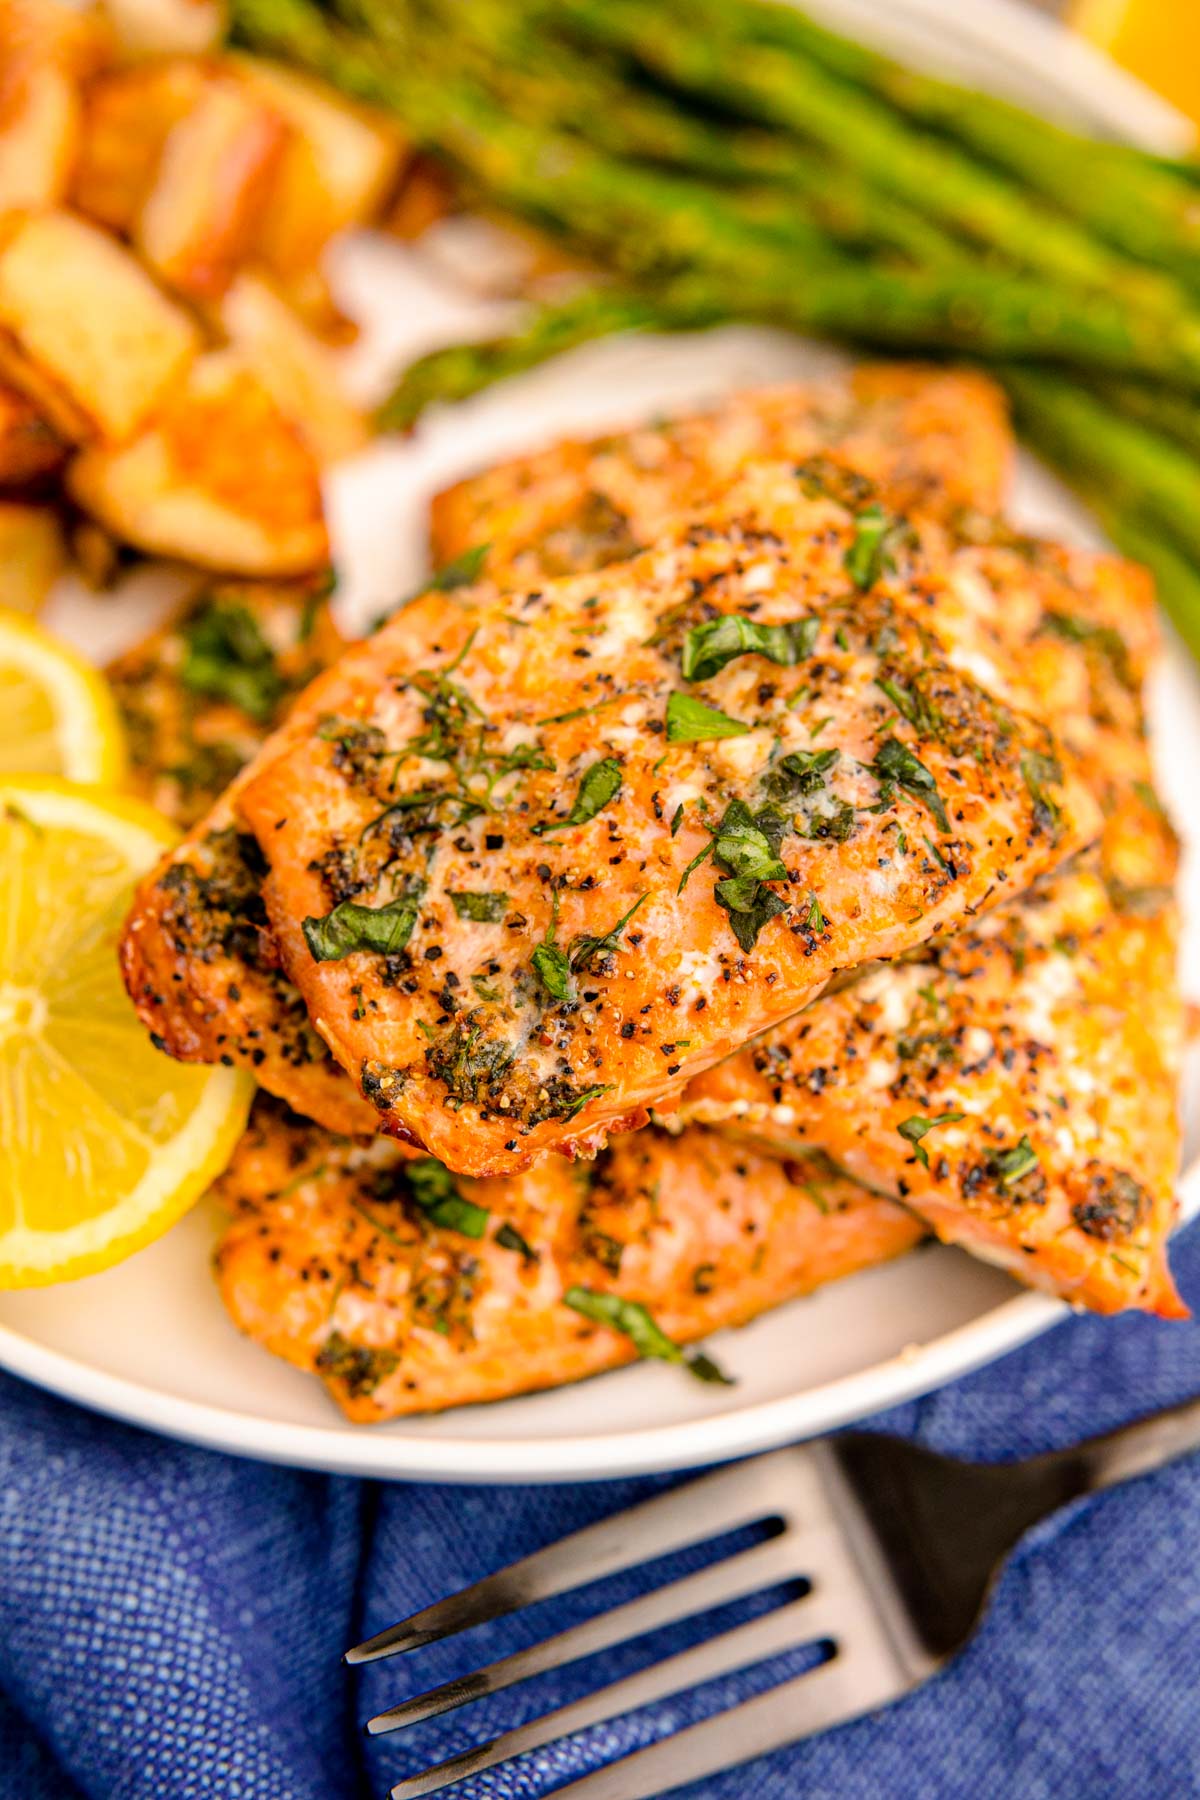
(329, 1263)
(455, 1039)
(936, 440)
(1056, 1019)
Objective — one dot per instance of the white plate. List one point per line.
(150, 1342)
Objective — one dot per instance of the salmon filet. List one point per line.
(936, 441)
(406, 1291)
(558, 852)
(1012, 1084)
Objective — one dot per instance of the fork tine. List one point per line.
(798, 1623)
(737, 1575)
(833, 1694)
(687, 1515)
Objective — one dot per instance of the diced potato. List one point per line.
(340, 163)
(29, 447)
(298, 371)
(83, 329)
(31, 555)
(39, 133)
(128, 114)
(219, 478)
(167, 27)
(78, 40)
(205, 208)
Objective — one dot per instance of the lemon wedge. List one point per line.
(57, 715)
(1158, 40)
(104, 1141)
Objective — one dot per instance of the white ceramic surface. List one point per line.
(149, 1342)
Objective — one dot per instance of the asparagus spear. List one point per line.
(1133, 467)
(445, 376)
(772, 87)
(1175, 416)
(1144, 205)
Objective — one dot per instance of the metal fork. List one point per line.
(896, 1547)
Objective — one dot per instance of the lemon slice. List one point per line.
(104, 1141)
(57, 715)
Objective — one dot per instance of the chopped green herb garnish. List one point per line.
(586, 950)
(689, 721)
(799, 773)
(1037, 772)
(896, 766)
(1104, 638)
(677, 818)
(708, 647)
(584, 1098)
(550, 964)
(746, 846)
(433, 1189)
(350, 927)
(878, 534)
(483, 908)
(912, 705)
(915, 1129)
(580, 712)
(695, 864)
(633, 1320)
(509, 1238)
(815, 918)
(1014, 1164)
(228, 658)
(599, 784)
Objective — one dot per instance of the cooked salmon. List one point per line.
(199, 956)
(408, 1291)
(1016, 1084)
(200, 694)
(937, 440)
(552, 854)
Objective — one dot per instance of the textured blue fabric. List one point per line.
(171, 1620)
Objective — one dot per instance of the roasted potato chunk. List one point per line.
(128, 116)
(296, 368)
(31, 555)
(339, 165)
(83, 329)
(167, 27)
(205, 209)
(29, 447)
(219, 478)
(39, 134)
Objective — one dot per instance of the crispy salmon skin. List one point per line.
(407, 1292)
(937, 441)
(1017, 1084)
(554, 853)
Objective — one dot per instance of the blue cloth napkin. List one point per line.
(171, 1620)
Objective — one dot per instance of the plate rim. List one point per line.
(1125, 106)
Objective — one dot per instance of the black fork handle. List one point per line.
(1136, 1449)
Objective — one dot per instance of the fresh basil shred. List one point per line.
(689, 721)
(650, 1341)
(483, 908)
(917, 1127)
(598, 785)
(434, 1190)
(351, 926)
(709, 647)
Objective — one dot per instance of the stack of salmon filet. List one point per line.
(742, 862)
